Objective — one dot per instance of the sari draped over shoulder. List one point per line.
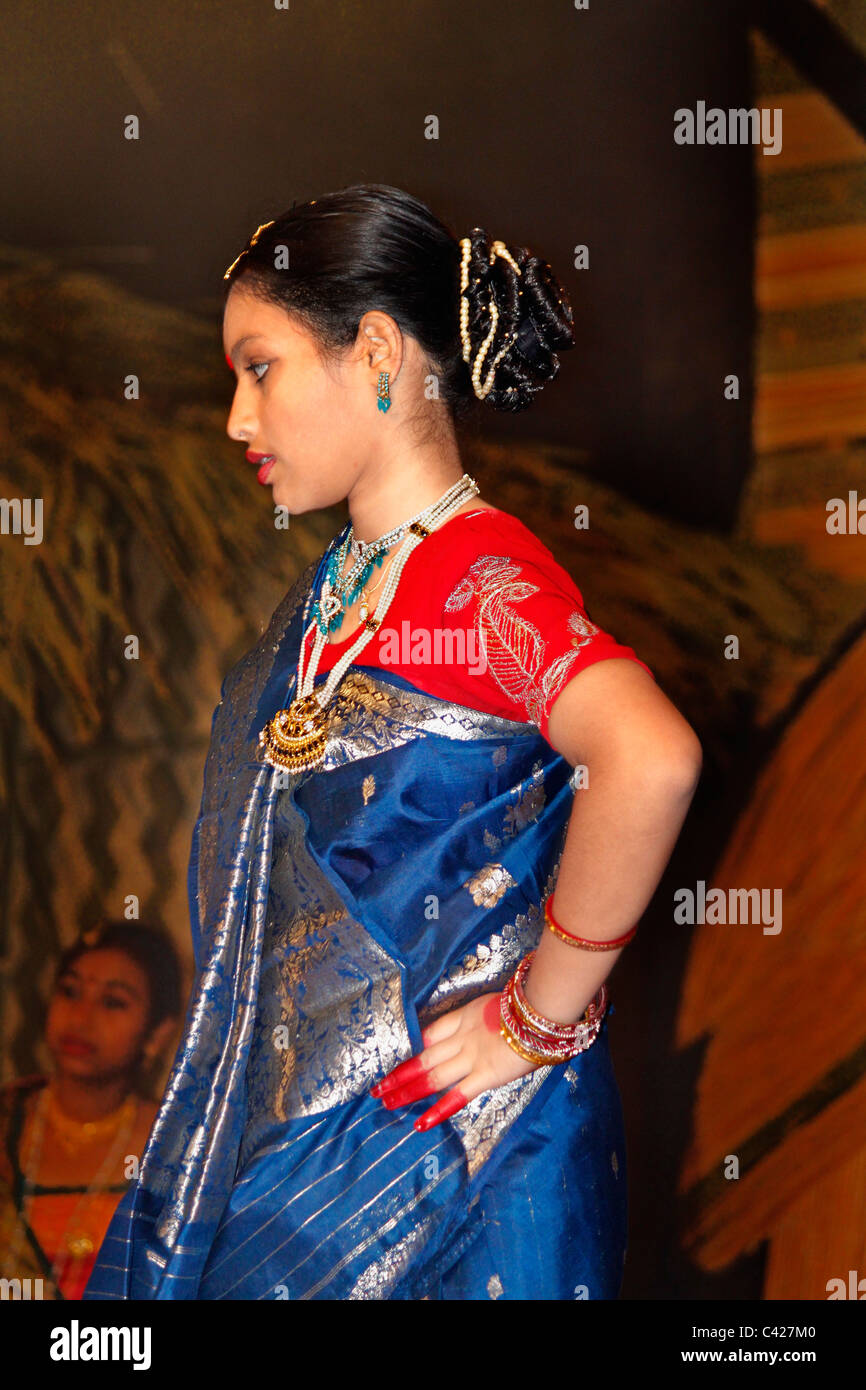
(335, 913)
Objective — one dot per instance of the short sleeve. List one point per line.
(532, 627)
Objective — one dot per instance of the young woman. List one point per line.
(395, 1080)
(67, 1138)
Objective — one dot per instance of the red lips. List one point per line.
(253, 457)
(76, 1047)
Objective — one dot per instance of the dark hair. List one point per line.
(371, 246)
(150, 947)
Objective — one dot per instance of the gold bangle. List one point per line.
(524, 1052)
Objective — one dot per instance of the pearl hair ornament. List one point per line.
(498, 248)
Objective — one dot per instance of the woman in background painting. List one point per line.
(68, 1139)
(400, 772)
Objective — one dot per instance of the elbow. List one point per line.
(663, 756)
(679, 759)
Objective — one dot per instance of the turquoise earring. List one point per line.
(382, 392)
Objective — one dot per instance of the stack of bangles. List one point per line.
(541, 1040)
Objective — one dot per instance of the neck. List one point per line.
(397, 487)
(85, 1101)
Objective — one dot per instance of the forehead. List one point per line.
(247, 316)
(100, 965)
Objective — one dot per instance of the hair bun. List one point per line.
(520, 294)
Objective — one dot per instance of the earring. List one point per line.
(382, 392)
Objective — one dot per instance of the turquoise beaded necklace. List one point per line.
(333, 574)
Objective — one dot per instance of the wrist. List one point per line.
(586, 943)
(537, 1037)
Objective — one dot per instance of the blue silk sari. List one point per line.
(335, 913)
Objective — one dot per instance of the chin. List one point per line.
(281, 496)
(77, 1068)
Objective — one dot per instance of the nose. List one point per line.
(79, 1015)
(241, 426)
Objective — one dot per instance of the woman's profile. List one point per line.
(437, 800)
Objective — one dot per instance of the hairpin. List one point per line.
(252, 241)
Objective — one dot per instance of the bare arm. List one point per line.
(643, 762)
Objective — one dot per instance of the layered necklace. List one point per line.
(294, 739)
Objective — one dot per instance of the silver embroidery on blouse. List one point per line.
(513, 646)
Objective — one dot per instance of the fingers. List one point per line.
(432, 1079)
(441, 1028)
(444, 1062)
(415, 1090)
(416, 1069)
(407, 1071)
(442, 1110)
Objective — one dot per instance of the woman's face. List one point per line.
(97, 1017)
(317, 423)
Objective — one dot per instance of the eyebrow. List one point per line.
(250, 337)
(74, 974)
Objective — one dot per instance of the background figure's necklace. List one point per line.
(79, 1239)
(294, 739)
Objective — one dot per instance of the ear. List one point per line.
(382, 342)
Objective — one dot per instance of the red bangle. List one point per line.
(539, 1039)
(582, 940)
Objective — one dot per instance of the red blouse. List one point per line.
(484, 616)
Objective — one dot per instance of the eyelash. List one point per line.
(252, 368)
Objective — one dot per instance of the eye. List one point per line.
(254, 368)
(114, 1001)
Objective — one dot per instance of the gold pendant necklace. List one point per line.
(295, 738)
(74, 1135)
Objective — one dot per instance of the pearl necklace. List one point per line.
(339, 591)
(294, 739)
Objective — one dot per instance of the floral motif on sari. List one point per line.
(488, 884)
